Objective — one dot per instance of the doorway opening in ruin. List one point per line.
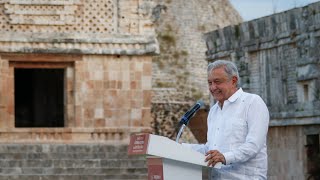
(39, 97)
(313, 156)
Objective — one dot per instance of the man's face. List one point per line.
(220, 85)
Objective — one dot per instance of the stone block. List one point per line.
(110, 163)
(37, 163)
(146, 82)
(11, 171)
(147, 69)
(33, 171)
(98, 113)
(99, 123)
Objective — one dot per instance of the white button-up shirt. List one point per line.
(239, 132)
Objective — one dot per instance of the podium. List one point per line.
(168, 160)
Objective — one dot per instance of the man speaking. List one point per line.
(237, 127)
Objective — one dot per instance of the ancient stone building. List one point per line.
(179, 76)
(75, 81)
(279, 59)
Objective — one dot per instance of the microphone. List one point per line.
(189, 114)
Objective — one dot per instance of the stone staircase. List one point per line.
(70, 162)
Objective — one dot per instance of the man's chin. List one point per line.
(216, 98)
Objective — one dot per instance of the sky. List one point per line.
(252, 9)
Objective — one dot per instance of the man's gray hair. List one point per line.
(229, 67)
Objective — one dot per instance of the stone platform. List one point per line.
(70, 162)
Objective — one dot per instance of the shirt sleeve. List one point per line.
(258, 123)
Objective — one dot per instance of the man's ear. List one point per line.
(235, 80)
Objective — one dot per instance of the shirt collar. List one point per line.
(235, 95)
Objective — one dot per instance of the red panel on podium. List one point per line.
(138, 144)
(155, 169)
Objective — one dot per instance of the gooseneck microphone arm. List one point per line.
(186, 118)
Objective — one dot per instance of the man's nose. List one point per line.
(212, 87)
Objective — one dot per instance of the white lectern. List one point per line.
(169, 160)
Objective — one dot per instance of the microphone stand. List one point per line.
(180, 132)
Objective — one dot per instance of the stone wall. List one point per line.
(116, 94)
(179, 72)
(278, 58)
(3, 88)
(286, 144)
(277, 55)
(78, 17)
(104, 49)
(70, 162)
(101, 91)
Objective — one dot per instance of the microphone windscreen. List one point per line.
(201, 103)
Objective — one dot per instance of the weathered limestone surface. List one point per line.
(77, 27)
(105, 49)
(278, 58)
(70, 162)
(277, 55)
(116, 38)
(179, 72)
(101, 92)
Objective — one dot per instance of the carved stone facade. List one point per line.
(104, 50)
(80, 71)
(278, 57)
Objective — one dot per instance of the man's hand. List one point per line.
(213, 157)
